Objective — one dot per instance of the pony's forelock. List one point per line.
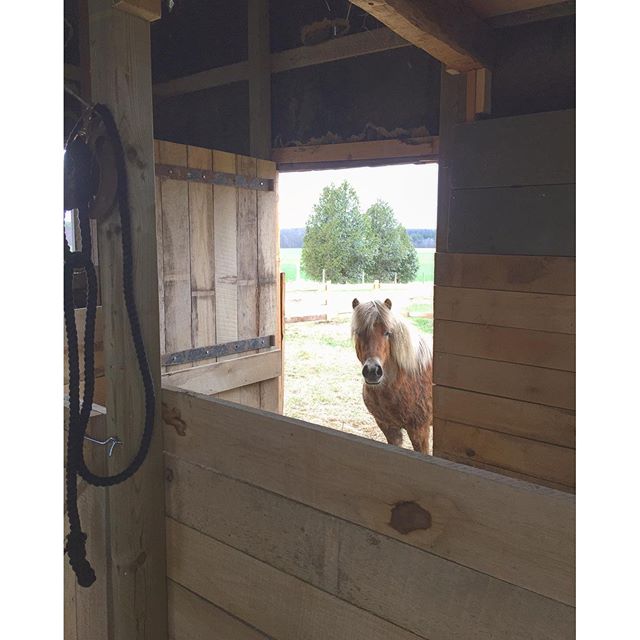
(408, 348)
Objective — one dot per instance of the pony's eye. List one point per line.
(387, 334)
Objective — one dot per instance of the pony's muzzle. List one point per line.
(372, 371)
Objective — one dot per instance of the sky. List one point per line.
(410, 189)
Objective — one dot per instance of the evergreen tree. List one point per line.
(336, 237)
(392, 252)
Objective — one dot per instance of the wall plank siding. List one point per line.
(504, 309)
(498, 526)
(403, 585)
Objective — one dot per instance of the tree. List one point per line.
(336, 236)
(392, 252)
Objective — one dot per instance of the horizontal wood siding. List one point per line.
(285, 526)
(504, 309)
(219, 272)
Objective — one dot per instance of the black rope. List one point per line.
(79, 414)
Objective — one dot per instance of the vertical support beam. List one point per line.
(259, 80)
(453, 110)
(121, 79)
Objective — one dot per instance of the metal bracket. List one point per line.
(175, 172)
(218, 350)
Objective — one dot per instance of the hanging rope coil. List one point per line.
(81, 197)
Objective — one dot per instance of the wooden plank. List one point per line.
(175, 252)
(160, 246)
(453, 91)
(247, 251)
(520, 382)
(535, 274)
(532, 221)
(491, 8)
(121, 79)
(194, 618)
(525, 419)
(259, 54)
(215, 77)
(532, 12)
(450, 32)
(538, 311)
(507, 529)
(202, 252)
(520, 346)
(149, 10)
(357, 44)
(288, 158)
(350, 46)
(263, 596)
(228, 374)
(400, 583)
(535, 149)
(225, 213)
(500, 450)
(268, 276)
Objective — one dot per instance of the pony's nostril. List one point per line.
(378, 371)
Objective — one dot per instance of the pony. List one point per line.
(397, 367)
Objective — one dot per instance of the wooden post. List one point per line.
(121, 79)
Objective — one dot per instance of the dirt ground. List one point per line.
(323, 383)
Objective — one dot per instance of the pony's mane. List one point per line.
(408, 348)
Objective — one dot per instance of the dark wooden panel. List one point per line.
(538, 311)
(525, 419)
(506, 380)
(535, 274)
(522, 346)
(537, 149)
(538, 221)
(530, 457)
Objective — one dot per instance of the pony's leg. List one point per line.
(420, 439)
(393, 436)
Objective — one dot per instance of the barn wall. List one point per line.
(280, 529)
(504, 331)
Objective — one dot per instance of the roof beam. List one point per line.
(446, 29)
(358, 44)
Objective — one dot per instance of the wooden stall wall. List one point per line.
(282, 530)
(218, 265)
(504, 329)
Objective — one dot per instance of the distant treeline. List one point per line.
(421, 238)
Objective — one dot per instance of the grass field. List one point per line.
(290, 264)
(323, 381)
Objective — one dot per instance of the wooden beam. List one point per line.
(533, 14)
(259, 50)
(449, 31)
(149, 10)
(358, 44)
(326, 155)
(121, 79)
(227, 374)
(493, 8)
(352, 46)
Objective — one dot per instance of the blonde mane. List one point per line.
(408, 348)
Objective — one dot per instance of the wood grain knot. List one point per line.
(470, 452)
(409, 516)
(168, 474)
(171, 416)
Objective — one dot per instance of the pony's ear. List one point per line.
(355, 303)
(387, 303)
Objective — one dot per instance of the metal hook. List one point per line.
(111, 441)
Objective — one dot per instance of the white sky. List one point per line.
(410, 189)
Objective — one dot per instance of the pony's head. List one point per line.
(384, 343)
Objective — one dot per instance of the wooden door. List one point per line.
(218, 274)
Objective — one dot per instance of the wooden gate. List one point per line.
(218, 272)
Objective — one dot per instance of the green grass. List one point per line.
(290, 264)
